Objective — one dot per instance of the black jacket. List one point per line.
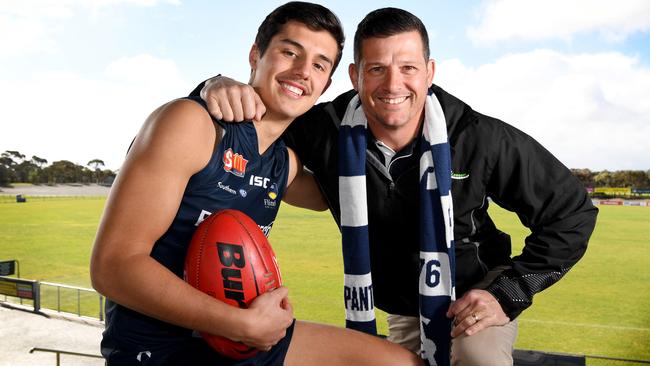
(490, 159)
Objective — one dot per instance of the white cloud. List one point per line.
(20, 36)
(551, 19)
(25, 26)
(142, 68)
(142, 3)
(66, 8)
(37, 9)
(590, 110)
(28, 27)
(97, 5)
(60, 115)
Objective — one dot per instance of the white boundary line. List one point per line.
(585, 325)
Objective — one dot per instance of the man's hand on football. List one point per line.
(232, 101)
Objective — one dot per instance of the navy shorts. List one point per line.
(194, 351)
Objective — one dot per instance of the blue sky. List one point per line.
(78, 77)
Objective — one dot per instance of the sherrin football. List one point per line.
(230, 259)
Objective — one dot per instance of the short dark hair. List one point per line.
(315, 17)
(388, 22)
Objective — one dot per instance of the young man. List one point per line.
(489, 159)
(179, 169)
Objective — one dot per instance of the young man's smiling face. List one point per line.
(294, 70)
(392, 79)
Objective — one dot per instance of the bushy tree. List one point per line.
(6, 159)
(7, 172)
(5, 176)
(64, 171)
(604, 179)
(585, 176)
(39, 162)
(637, 179)
(14, 155)
(95, 164)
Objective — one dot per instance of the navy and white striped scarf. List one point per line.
(437, 260)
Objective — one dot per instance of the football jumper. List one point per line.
(236, 177)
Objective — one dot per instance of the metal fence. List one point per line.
(64, 299)
(11, 198)
(58, 353)
(72, 299)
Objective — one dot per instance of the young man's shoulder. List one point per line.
(178, 132)
(183, 116)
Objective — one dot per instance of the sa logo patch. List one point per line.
(234, 163)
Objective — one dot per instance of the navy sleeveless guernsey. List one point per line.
(236, 177)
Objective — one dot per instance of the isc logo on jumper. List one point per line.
(234, 163)
(258, 181)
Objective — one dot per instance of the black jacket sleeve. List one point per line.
(550, 201)
(314, 135)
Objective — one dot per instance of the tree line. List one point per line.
(618, 179)
(17, 168)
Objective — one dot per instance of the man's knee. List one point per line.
(405, 331)
(464, 354)
(491, 346)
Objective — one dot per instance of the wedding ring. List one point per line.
(476, 319)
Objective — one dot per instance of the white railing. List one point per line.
(76, 290)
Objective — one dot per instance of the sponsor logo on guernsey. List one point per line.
(243, 192)
(459, 176)
(258, 181)
(202, 216)
(266, 229)
(234, 163)
(226, 188)
(143, 353)
(272, 193)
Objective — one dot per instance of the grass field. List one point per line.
(599, 308)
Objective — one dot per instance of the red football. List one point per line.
(230, 259)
